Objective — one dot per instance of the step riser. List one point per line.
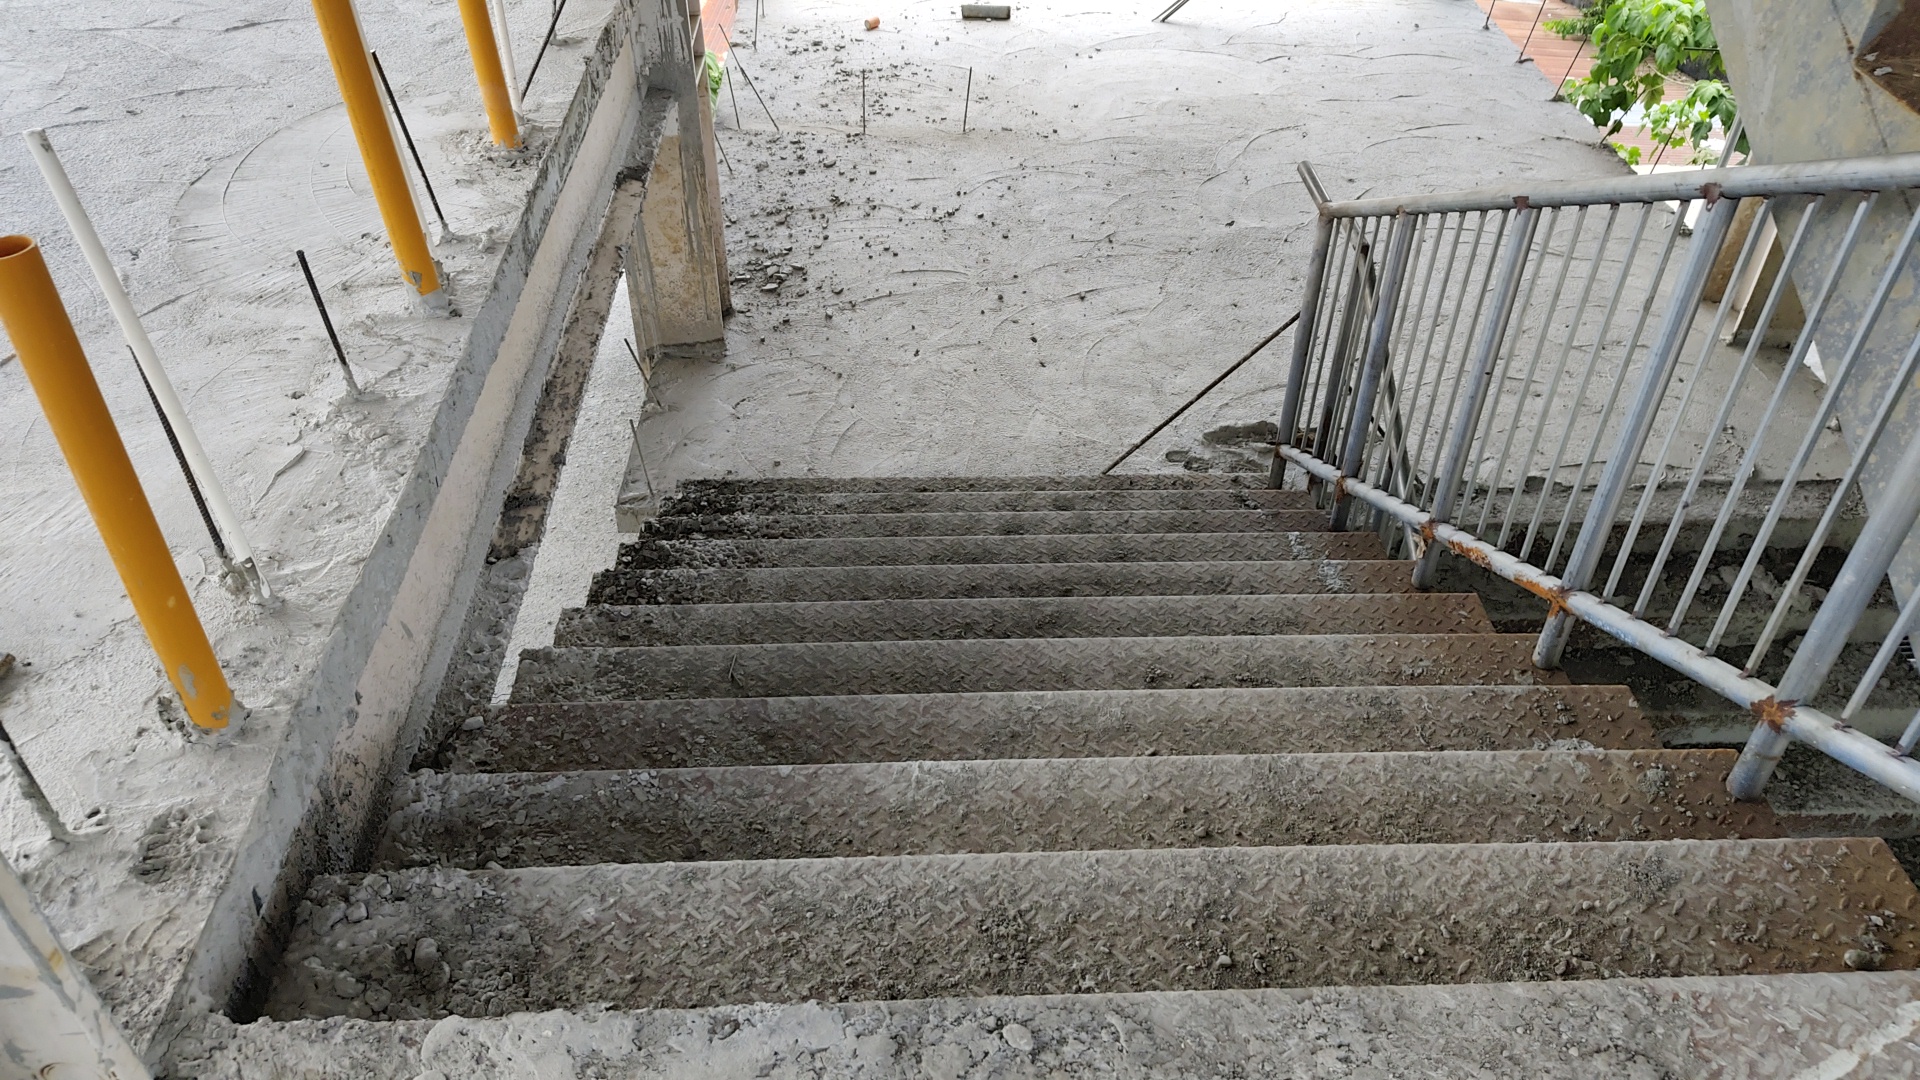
(1090, 522)
(1080, 617)
(946, 807)
(983, 502)
(694, 934)
(820, 584)
(932, 551)
(722, 732)
(935, 667)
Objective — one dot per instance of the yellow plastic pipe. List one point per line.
(36, 321)
(486, 68)
(340, 29)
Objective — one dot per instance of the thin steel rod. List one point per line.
(545, 42)
(1758, 438)
(735, 54)
(1550, 396)
(1204, 391)
(1738, 182)
(186, 470)
(1711, 339)
(1836, 380)
(1888, 528)
(1850, 747)
(1308, 321)
(400, 118)
(1889, 648)
(1491, 415)
(1895, 392)
(1568, 74)
(1589, 369)
(966, 102)
(1613, 394)
(1662, 359)
(1388, 297)
(1486, 344)
(1539, 11)
(327, 321)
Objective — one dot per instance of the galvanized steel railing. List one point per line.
(1580, 391)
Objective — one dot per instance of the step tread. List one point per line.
(788, 584)
(719, 732)
(1064, 804)
(1759, 1026)
(692, 934)
(974, 502)
(1121, 482)
(1016, 523)
(1055, 548)
(1021, 617)
(996, 665)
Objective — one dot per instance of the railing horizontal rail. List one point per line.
(1744, 181)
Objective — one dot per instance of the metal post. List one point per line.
(56, 1024)
(503, 32)
(1886, 530)
(1612, 488)
(1303, 332)
(492, 76)
(148, 359)
(340, 30)
(36, 321)
(1453, 460)
(1375, 359)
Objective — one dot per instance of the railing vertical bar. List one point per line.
(1342, 246)
(1473, 328)
(1883, 657)
(1332, 403)
(1453, 320)
(1417, 381)
(1836, 379)
(1886, 531)
(1619, 384)
(1551, 394)
(1592, 365)
(1390, 451)
(1896, 391)
(1375, 360)
(1662, 358)
(1486, 345)
(1652, 486)
(1757, 440)
(1490, 416)
(1303, 332)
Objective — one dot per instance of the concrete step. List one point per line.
(811, 485)
(1028, 523)
(719, 732)
(430, 942)
(734, 501)
(474, 820)
(1077, 616)
(993, 666)
(1777, 1026)
(817, 583)
(1061, 548)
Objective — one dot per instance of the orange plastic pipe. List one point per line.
(36, 321)
(340, 29)
(486, 68)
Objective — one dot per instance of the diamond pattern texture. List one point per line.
(1077, 617)
(955, 807)
(988, 666)
(814, 584)
(823, 730)
(692, 934)
(983, 502)
(1181, 481)
(1059, 548)
(1035, 523)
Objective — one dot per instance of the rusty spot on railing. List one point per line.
(1520, 203)
(1710, 192)
(1773, 712)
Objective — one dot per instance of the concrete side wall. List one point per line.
(1802, 97)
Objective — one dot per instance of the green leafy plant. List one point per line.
(1637, 45)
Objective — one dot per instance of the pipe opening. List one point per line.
(15, 245)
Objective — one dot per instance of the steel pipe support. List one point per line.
(487, 69)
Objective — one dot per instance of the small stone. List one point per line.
(346, 986)
(378, 998)
(357, 912)
(1862, 960)
(1222, 962)
(473, 723)
(1018, 1037)
(431, 1074)
(426, 956)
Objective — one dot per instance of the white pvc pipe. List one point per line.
(504, 36)
(143, 352)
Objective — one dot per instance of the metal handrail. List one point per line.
(1434, 335)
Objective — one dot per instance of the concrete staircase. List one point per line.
(1004, 776)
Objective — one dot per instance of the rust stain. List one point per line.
(1710, 192)
(1773, 712)
(1520, 203)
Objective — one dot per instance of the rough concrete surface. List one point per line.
(1135, 177)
